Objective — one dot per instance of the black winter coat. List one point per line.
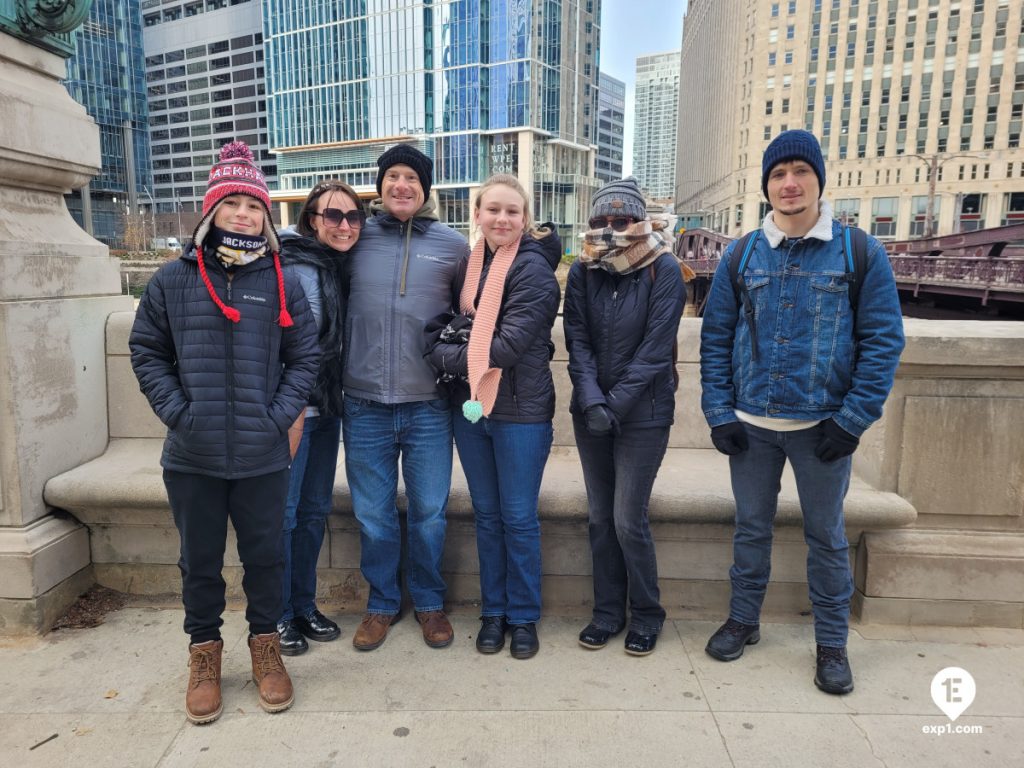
(619, 331)
(521, 345)
(330, 272)
(226, 391)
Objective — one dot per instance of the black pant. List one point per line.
(201, 507)
(619, 473)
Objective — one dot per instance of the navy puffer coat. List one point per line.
(521, 345)
(619, 330)
(226, 391)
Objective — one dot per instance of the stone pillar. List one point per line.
(57, 287)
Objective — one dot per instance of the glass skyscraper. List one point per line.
(481, 86)
(107, 76)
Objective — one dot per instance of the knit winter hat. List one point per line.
(620, 198)
(236, 174)
(791, 145)
(404, 154)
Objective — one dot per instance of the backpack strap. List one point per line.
(737, 265)
(855, 247)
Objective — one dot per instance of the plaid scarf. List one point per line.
(623, 252)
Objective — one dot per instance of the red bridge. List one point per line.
(984, 268)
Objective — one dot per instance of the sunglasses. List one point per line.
(618, 223)
(334, 216)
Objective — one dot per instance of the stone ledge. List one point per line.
(124, 486)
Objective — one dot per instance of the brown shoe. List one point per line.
(437, 630)
(202, 699)
(372, 631)
(269, 674)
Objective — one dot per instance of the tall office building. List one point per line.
(655, 123)
(895, 91)
(481, 87)
(105, 75)
(611, 119)
(206, 86)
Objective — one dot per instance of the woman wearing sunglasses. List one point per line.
(328, 226)
(623, 301)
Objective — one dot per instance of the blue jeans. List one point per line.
(756, 477)
(619, 473)
(376, 435)
(504, 464)
(310, 493)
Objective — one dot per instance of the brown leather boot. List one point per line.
(202, 699)
(437, 630)
(372, 631)
(268, 672)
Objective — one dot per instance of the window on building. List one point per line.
(919, 215)
(848, 211)
(883, 217)
(1013, 208)
(972, 212)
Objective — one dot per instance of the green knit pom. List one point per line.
(473, 410)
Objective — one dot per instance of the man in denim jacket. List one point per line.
(801, 382)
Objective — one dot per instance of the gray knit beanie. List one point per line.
(620, 198)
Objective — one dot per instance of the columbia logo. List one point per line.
(260, 299)
(428, 257)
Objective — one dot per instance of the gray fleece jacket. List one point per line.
(400, 275)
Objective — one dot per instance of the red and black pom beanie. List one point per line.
(235, 173)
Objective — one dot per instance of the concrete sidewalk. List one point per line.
(113, 696)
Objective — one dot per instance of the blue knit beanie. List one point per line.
(793, 145)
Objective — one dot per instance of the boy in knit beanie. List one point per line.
(225, 350)
(793, 369)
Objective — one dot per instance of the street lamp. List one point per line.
(934, 164)
(152, 212)
(177, 206)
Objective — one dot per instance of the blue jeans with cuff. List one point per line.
(504, 464)
(756, 481)
(377, 436)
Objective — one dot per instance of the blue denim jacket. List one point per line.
(815, 359)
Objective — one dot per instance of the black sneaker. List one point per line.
(491, 637)
(316, 626)
(595, 638)
(524, 643)
(638, 644)
(728, 642)
(292, 641)
(833, 674)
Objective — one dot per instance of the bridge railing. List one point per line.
(982, 260)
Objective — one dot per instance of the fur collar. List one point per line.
(820, 231)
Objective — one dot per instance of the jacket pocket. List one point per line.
(830, 356)
(749, 334)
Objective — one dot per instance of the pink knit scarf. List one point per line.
(484, 380)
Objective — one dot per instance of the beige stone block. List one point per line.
(38, 614)
(941, 474)
(944, 613)
(973, 566)
(53, 390)
(37, 557)
(129, 412)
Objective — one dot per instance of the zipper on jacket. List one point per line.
(515, 396)
(609, 324)
(229, 432)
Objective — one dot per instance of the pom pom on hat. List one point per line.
(236, 149)
(473, 410)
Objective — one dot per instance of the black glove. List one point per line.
(457, 331)
(730, 438)
(834, 442)
(600, 420)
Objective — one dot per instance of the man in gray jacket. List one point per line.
(403, 273)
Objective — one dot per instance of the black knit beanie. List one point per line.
(791, 145)
(403, 154)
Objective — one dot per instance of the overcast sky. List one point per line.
(634, 28)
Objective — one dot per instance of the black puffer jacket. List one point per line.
(521, 345)
(619, 331)
(226, 391)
